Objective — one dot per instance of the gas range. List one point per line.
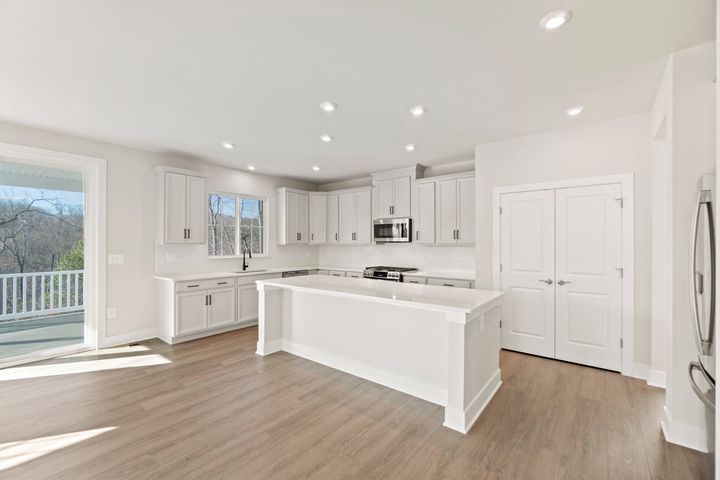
(393, 274)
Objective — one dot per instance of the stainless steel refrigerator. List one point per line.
(702, 281)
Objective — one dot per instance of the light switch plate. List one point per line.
(116, 259)
(111, 313)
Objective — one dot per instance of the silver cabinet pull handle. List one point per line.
(563, 282)
(548, 281)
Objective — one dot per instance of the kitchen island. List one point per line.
(440, 344)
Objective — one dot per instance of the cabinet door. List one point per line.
(401, 195)
(197, 210)
(302, 217)
(318, 219)
(175, 208)
(384, 193)
(247, 303)
(466, 210)
(191, 313)
(363, 217)
(222, 307)
(347, 218)
(425, 213)
(291, 220)
(446, 211)
(332, 219)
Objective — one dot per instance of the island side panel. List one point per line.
(270, 319)
(474, 367)
(397, 346)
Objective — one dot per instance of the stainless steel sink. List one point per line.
(247, 272)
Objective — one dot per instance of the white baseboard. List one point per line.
(392, 380)
(269, 347)
(125, 338)
(657, 378)
(640, 370)
(462, 421)
(683, 434)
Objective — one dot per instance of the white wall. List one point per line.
(604, 148)
(131, 221)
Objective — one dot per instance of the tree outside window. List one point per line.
(229, 214)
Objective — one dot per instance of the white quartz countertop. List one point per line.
(252, 271)
(449, 274)
(465, 300)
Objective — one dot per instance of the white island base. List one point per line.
(437, 343)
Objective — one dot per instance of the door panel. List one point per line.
(589, 251)
(247, 303)
(175, 207)
(292, 218)
(318, 219)
(197, 210)
(384, 190)
(191, 312)
(425, 215)
(332, 219)
(302, 217)
(466, 210)
(363, 217)
(446, 211)
(347, 217)
(222, 307)
(527, 246)
(401, 195)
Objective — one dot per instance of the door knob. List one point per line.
(563, 282)
(548, 281)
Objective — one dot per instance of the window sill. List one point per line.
(236, 257)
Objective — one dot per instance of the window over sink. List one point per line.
(236, 222)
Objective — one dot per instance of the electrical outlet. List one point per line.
(116, 259)
(111, 313)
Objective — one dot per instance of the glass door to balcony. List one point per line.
(41, 262)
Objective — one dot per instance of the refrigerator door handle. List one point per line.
(710, 403)
(704, 345)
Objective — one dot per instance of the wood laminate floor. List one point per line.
(212, 409)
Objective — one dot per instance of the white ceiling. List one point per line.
(183, 76)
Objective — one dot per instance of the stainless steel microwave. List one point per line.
(392, 230)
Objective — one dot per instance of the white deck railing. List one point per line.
(25, 295)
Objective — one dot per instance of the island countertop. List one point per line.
(429, 297)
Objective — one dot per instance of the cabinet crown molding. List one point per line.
(449, 176)
(181, 171)
(414, 172)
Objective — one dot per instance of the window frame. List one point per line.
(265, 232)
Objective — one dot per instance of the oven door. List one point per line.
(391, 230)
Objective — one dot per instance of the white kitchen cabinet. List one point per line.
(247, 302)
(221, 307)
(191, 313)
(182, 207)
(424, 221)
(355, 217)
(318, 218)
(292, 216)
(417, 280)
(333, 218)
(455, 210)
(392, 191)
(444, 282)
(336, 273)
(354, 274)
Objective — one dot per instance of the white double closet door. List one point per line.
(561, 251)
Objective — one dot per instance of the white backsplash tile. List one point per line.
(434, 257)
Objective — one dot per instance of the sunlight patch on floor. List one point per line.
(53, 369)
(110, 351)
(13, 454)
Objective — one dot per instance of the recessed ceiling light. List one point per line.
(228, 145)
(410, 147)
(418, 110)
(574, 111)
(251, 168)
(328, 106)
(555, 19)
(326, 138)
(316, 168)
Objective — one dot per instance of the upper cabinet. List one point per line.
(318, 218)
(355, 217)
(333, 218)
(182, 204)
(392, 192)
(455, 210)
(424, 215)
(292, 214)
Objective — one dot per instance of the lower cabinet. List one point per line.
(191, 313)
(247, 302)
(221, 307)
(442, 282)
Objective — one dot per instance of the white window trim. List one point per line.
(237, 226)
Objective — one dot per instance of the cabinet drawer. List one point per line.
(336, 273)
(449, 283)
(322, 272)
(354, 274)
(249, 279)
(418, 280)
(190, 286)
